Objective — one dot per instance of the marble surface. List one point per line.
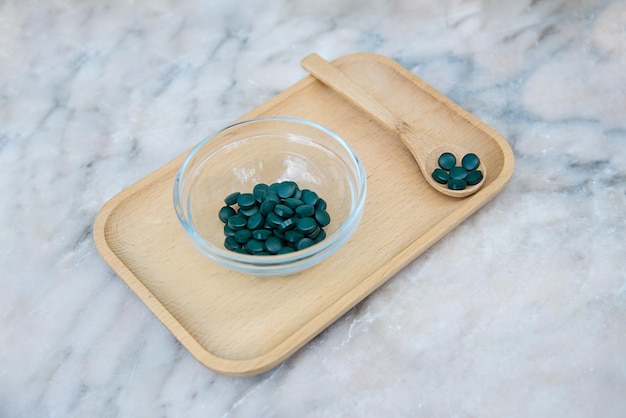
(530, 322)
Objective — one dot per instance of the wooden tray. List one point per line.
(241, 325)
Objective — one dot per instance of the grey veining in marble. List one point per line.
(528, 321)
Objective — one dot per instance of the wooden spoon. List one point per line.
(424, 149)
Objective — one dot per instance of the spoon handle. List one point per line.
(417, 142)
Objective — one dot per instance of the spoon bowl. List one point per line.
(423, 147)
(431, 162)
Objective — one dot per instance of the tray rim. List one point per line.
(303, 335)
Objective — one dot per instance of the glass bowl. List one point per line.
(269, 150)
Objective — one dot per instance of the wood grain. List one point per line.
(241, 325)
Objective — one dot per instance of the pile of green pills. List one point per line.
(455, 176)
(273, 219)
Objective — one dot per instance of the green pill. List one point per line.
(293, 236)
(304, 243)
(248, 212)
(456, 184)
(458, 173)
(283, 211)
(273, 245)
(261, 234)
(293, 203)
(267, 206)
(474, 177)
(231, 199)
(470, 162)
(322, 217)
(243, 235)
(285, 250)
(231, 244)
(228, 232)
(321, 204)
(272, 196)
(255, 221)
(286, 189)
(278, 233)
(440, 175)
(237, 222)
(321, 236)
(246, 200)
(225, 213)
(254, 246)
(273, 219)
(309, 197)
(306, 225)
(447, 160)
(305, 210)
(259, 192)
(287, 224)
(314, 233)
(274, 187)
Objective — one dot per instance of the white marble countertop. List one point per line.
(531, 322)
